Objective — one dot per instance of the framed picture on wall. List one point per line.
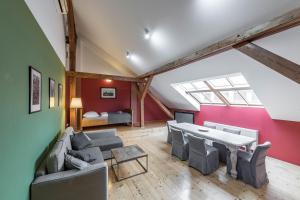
(51, 93)
(35, 90)
(60, 94)
(108, 93)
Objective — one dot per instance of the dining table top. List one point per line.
(215, 135)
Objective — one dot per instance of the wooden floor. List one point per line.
(170, 178)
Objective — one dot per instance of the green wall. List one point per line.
(23, 136)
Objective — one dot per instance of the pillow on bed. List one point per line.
(90, 114)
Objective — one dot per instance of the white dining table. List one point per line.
(232, 141)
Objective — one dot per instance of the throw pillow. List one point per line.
(80, 141)
(75, 163)
(87, 157)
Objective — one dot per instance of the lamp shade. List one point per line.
(76, 103)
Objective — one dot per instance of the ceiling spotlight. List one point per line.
(128, 55)
(147, 34)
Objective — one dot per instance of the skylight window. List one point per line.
(233, 97)
(200, 85)
(220, 83)
(238, 81)
(227, 90)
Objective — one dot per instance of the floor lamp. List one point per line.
(76, 104)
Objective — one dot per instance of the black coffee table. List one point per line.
(126, 154)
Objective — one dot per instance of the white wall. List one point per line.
(47, 14)
(93, 59)
(279, 95)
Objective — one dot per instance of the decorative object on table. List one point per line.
(108, 93)
(76, 104)
(60, 94)
(35, 90)
(51, 93)
(203, 129)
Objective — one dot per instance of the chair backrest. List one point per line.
(260, 154)
(169, 123)
(234, 131)
(210, 126)
(244, 131)
(197, 144)
(177, 136)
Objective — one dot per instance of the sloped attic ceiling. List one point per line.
(179, 26)
(186, 26)
(279, 95)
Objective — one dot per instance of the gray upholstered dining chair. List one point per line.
(202, 157)
(223, 151)
(251, 167)
(180, 145)
(169, 138)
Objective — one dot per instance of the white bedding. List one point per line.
(103, 115)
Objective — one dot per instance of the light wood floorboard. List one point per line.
(170, 178)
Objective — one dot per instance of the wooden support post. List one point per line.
(71, 35)
(72, 82)
(143, 87)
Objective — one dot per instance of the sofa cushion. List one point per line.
(107, 143)
(94, 152)
(75, 163)
(82, 155)
(80, 141)
(55, 160)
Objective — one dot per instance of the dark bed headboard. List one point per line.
(184, 117)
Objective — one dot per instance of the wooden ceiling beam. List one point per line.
(102, 76)
(277, 63)
(71, 36)
(146, 88)
(276, 25)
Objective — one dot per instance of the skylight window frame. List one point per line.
(220, 96)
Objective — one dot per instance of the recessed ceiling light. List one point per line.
(147, 34)
(128, 55)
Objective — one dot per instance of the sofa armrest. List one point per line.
(90, 183)
(101, 133)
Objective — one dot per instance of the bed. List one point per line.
(92, 118)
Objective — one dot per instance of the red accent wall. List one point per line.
(152, 111)
(90, 94)
(284, 135)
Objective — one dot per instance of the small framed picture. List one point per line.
(60, 94)
(108, 93)
(51, 93)
(35, 90)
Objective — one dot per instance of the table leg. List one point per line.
(233, 158)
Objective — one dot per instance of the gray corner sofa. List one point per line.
(53, 182)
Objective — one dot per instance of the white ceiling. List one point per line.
(179, 26)
(279, 95)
